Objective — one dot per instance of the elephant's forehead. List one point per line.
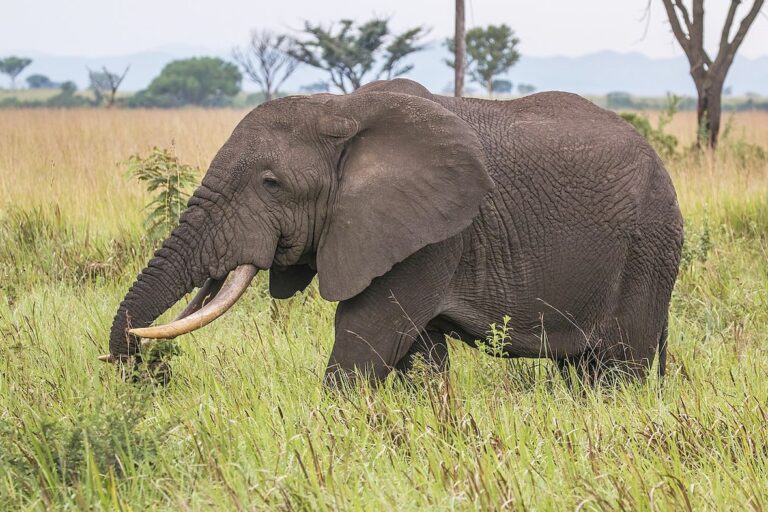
(292, 115)
(261, 148)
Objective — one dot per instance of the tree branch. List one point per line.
(697, 28)
(686, 18)
(677, 30)
(728, 50)
(728, 24)
(745, 24)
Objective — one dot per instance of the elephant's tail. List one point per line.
(663, 350)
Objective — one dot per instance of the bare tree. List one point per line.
(105, 84)
(267, 61)
(461, 48)
(708, 75)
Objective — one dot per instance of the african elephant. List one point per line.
(426, 216)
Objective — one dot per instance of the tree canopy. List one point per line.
(12, 66)
(353, 54)
(207, 81)
(491, 51)
(40, 82)
(525, 89)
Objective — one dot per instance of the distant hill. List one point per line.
(596, 73)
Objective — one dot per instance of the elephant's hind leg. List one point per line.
(430, 348)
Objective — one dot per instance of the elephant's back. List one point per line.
(569, 160)
(575, 185)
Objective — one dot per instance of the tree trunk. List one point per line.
(714, 111)
(708, 112)
(489, 88)
(461, 48)
(708, 74)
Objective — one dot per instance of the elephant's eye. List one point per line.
(270, 183)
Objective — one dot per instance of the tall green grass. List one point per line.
(246, 425)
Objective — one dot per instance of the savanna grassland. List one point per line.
(245, 424)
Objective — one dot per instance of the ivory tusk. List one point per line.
(204, 295)
(107, 358)
(241, 277)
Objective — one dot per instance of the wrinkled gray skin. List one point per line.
(427, 216)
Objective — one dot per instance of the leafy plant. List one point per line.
(168, 181)
(698, 241)
(498, 339)
(664, 143)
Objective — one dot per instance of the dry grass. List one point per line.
(72, 158)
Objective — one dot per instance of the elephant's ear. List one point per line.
(285, 283)
(411, 173)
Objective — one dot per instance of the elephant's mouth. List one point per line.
(213, 299)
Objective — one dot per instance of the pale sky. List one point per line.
(96, 28)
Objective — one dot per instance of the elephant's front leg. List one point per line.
(376, 329)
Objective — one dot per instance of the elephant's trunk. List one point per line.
(167, 278)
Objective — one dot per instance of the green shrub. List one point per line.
(664, 143)
(61, 452)
(698, 240)
(168, 181)
(39, 245)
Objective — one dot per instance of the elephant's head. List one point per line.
(341, 186)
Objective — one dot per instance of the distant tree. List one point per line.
(68, 88)
(708, 74)
(267, 61)
(491, 51)
(67, 97)
(40, 82)
(450, 88)
(351, 53)
(204, 81)
(728, 91)
(12, 66)
(525, 88)
(319, 86)
(105, 84)
(502, 86)
(618, 100)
